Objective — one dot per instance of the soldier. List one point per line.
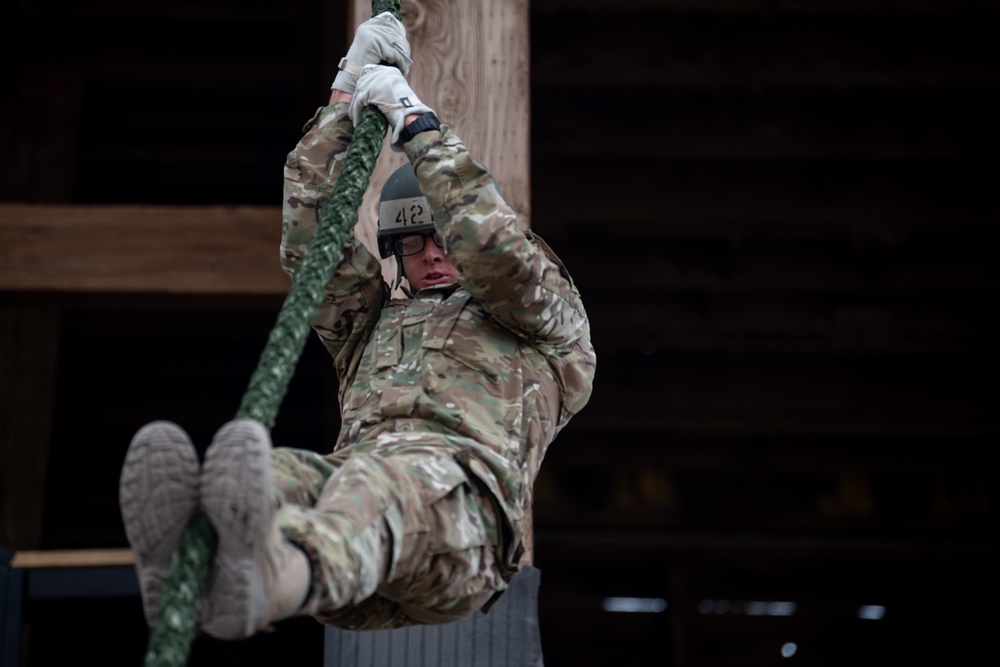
(448, 398)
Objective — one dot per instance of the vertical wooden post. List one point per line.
(471, 65)
(39, 137)
(29, 340)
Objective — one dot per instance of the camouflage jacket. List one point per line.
(491, 368)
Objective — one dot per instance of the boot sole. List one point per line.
(158, 496)
(236, 496)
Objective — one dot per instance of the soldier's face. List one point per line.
(428, 267)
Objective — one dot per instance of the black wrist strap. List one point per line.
(424, 122)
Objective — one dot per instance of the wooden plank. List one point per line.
(731, 125)
(581, 449)
(831, 502)
(832, 267)
(703, 51)
(668, 394)
(842, 482)
(157, 12)
(751, 321)
(132, 48)
(141, 249)
(470, 64)
(262, 13)
(189, 182)
(742, 125)
(767, 7)
(71, 558)
(879, 203)
(182, 76)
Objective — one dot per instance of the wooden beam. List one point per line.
(711, 52)
(877, 203)
(228, 250)
(820, 269)
(875, 125)
(71, 558)
(766, 7)
(727, 319)
(671, 394)
(471, 65)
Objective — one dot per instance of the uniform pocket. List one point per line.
(461, 518)
(473, 339)
(445, 511)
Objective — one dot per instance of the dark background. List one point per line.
(782, 217)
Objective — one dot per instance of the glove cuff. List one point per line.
(347, 78)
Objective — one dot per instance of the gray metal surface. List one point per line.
(507, 636)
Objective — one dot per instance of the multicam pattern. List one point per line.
(459, 387)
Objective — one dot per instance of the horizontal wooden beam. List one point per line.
(703, 51)
(765, 7)
(664, 395)
(71, 558)
(157, 12)
(941, 322)
(834, 268)
(227, 250)
(768, 126)
(879, 201)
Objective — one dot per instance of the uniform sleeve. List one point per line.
(516, 279)
(356, 291)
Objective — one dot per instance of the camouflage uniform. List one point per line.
(448, 399)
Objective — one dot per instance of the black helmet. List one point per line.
(402, 209)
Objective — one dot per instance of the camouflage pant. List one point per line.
(396, 537)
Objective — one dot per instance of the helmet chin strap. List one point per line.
(399, 277)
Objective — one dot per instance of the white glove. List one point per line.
(385, 88)
(380, 39)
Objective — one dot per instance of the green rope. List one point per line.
(171, 636)
(284, 345)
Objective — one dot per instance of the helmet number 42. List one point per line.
(416, 212)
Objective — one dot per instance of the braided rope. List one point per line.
(171, 636)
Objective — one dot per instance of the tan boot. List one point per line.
(158, 496)
(258, 577)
